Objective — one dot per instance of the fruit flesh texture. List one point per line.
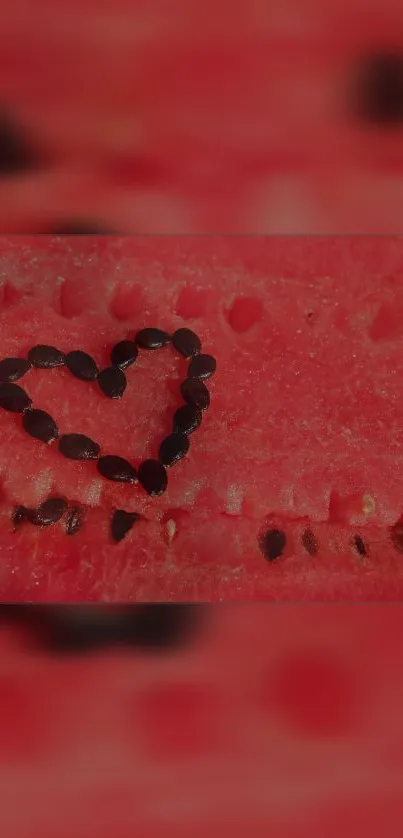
(287, 719)
(222, 116)
(304, 428)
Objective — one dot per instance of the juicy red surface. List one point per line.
(221, 116)
(304, 428)
(286, 720)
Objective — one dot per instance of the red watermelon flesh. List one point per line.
(287, 720)
(303, 435)
(181, 116)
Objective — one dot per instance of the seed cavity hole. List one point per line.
(73, 300)
(310, 542)
(173, 523)
(192, 302)
(272, 544)
(359, 546)
(244, 313)
(127, 302)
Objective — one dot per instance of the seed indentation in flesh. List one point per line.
(272, 544)
(122, 523)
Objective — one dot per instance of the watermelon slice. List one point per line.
(292, 488)
(284, 720)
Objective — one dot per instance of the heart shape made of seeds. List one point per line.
(152, 473)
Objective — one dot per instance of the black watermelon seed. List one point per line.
(272, 544)
(310, 542)
(122, 522)
(152, 338)
(195, 393)
(40, 425)
(359, 545)
(173, 448)
(50, 512)
(79, 447)
(20, 514)
(75, 520)
(124, 354)
(187, 419)
(112, 382)
(46, 357)
(153, 477)
(202, 366)
(82, 365)
(118, 469)
(14, 398)
(186, 342)
(11, 369)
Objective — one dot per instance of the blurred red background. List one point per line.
(177, 116)
(282, 721)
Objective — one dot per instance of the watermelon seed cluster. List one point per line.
(152, 473)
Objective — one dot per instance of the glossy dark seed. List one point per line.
(202, 366)
(173, 448)
(160, 626)
(186, 342)
(310, 542)
(75, 520)
(79, 447)
(187, 419)
(153, 477)
(152, 338)
(50, 512)
(272, 544)
(360, 545)
(124, 354)
(11, 369)
(40, 425)
(195, 393)
(112, 382)
(122, 523)
(46, 357)
(116, 468)
(82, 365)
(14, 398)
